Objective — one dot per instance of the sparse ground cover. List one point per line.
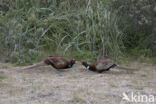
(45, 85)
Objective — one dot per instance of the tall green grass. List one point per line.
(83, 29)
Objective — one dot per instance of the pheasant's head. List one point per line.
(71, 63)
(85, 64)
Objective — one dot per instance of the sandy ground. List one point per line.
(45, 85)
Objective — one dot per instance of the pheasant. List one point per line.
(103, 65)
(57, 62)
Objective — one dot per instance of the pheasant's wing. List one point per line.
(104, 64)
(55, 59)
(58, 62)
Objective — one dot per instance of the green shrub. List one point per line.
(137, 23)
(92, 29)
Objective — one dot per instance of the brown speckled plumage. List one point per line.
(57, 62)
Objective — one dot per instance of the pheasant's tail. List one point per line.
(35, 66)
(125, 68)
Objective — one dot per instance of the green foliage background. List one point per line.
(83, 29)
